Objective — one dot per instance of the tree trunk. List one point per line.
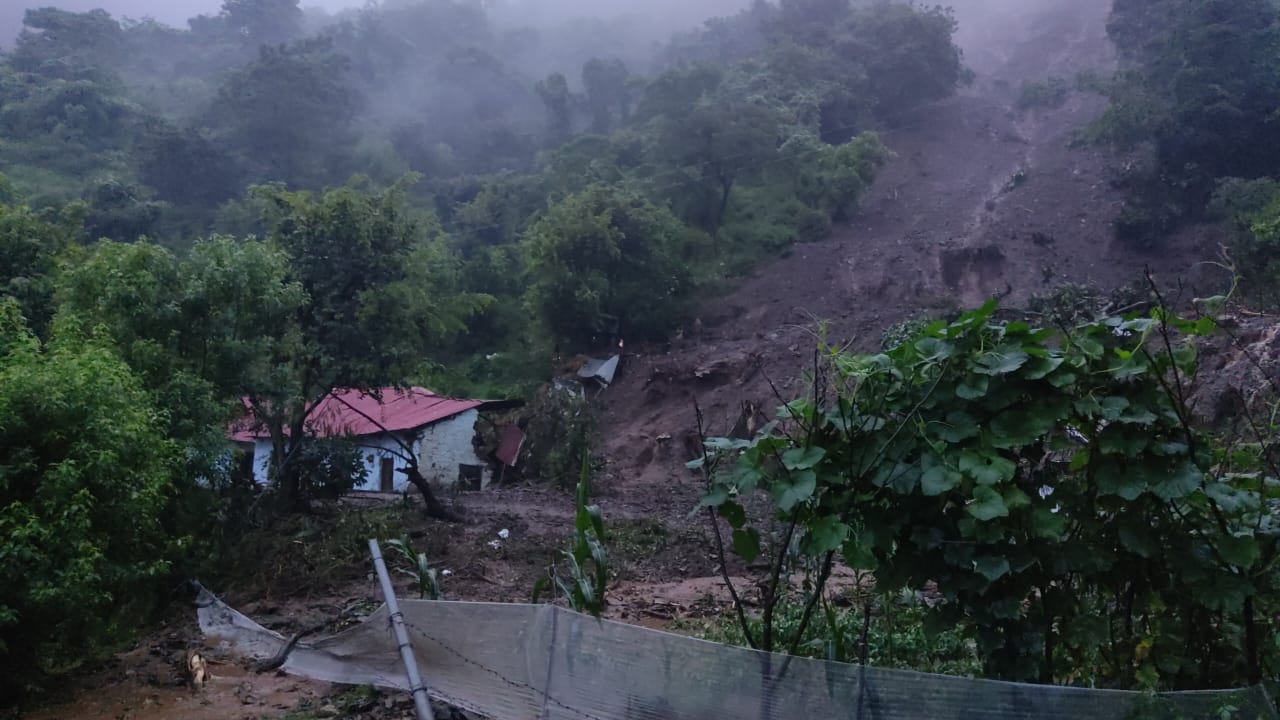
(726, 189)
(433, 507)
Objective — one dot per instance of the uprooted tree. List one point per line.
(1051, 484)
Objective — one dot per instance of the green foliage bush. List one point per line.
(85, 476)
(560, 430)
(1050, 486)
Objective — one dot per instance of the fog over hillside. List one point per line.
(668, 14)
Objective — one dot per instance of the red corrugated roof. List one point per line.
(356, 412)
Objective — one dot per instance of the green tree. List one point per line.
(58, 43)
(29, 251)
(716, 143)
(1197, 93)
(263, 22)
(558, 103)
(201, 332)
(85, 472)
(906, 53)
(606, 262)
(608, 92)
(831, 178)
(290, 114)
(381, 298)
(1054, 488)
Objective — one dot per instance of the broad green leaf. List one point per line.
(959, 425)
(1062, 378)
(799, 488)
(1137, 416)
(1231, 499)
(938, 479)
(986, 468)
(732, 513)
(803, 458)
(1136, 536)
(1039, 368)
(1015, 428)
(1113, 406)
(1132, 366)
(1079, 461)
(1046, 523)
(745, 476)
(1014, 498)
(715, 498)
(716, 445)
(1239, 550)
(826, 533)
(1123, 440)
(746, 543)
(1181, 482)
(934, 349)
(987, 504)
(973, 387)
(1001, 361)
(858, 553)
(991, 567)
(1112, 480)
(1091, 348)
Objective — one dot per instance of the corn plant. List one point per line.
(586, 576)
(425, 577)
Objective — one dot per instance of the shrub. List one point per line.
(1050, 93)
(85, 474)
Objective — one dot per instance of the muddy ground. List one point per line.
(980, 200)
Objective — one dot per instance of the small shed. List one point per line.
(440, 432)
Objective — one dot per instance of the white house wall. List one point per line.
(373, 448)
(261, 461)
(441, 448)
(445, 446)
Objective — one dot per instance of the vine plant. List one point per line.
(1050, 485)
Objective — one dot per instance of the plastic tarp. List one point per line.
(512, 662)
(601, 371)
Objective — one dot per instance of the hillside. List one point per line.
(984, 196)
(981, 199)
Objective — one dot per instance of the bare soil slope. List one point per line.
(981, 200)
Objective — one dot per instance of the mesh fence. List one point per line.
(509, 662)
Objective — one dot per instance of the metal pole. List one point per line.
(419, 689)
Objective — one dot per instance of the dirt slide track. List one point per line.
(980, 200)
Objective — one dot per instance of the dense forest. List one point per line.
(272, 203)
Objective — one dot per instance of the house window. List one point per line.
(469, 477)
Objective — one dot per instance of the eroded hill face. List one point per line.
(982, 199)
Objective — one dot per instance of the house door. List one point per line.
(388, 475)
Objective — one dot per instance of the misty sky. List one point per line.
(170, 12)
(679, 14)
